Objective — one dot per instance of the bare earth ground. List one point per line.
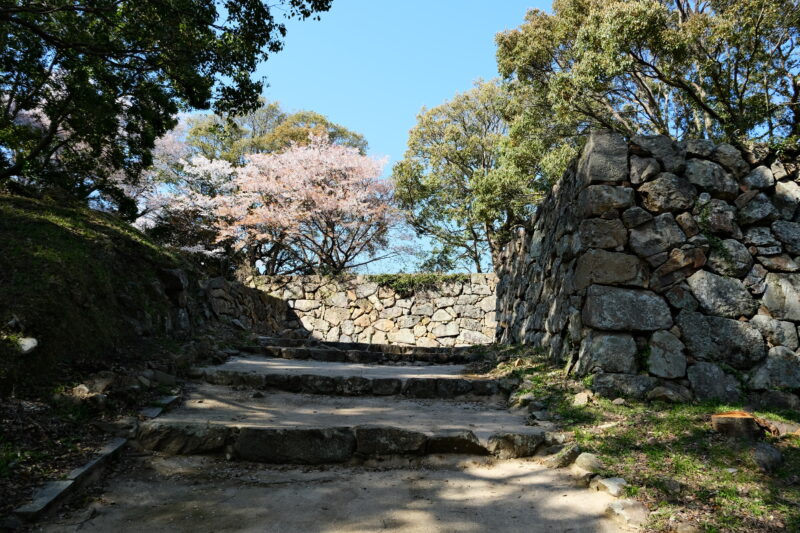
(465, 495)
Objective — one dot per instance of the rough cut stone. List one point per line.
(759, 178)
(760, 236)
(512, 445)
(789, 234)
(782, 297)
(758, 209)
(716, 216)
(755, 280)
(776, 332)
(718, 295)
(656, 236)
(615, 486)
(730, 158)
(779, 263)
(664, 149)
(628, 513)
(635, 216)
(595, 200)
(643, 169)
(786, 199)
(711, 177)
(731, 258)
(403, 336)
(602, 233)
(780, 370)
(679, 265)
(607, 352)
(604, 158)
(688, 224)
(709, 382)
(609, 268)
(712, 338)
(629, 385)
(615, 308)
(668, 192)
(698, 147)
(670, 392)
(666, 359)
(680, 297)
(295, 445)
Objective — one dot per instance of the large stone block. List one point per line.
(782, 297)
(609, 268)
(667, 193)
(718, 295)
(618, 309)
(669, 153)
(656, 236)
(730, 158)
(295, 445)
(602, 233)
(712, 338)
(709, 382)
(712, 178)
(730, 258)
(679, 265)
(630, 385)
(604, 158)
(776, 332)
(789, 234)
(666, 359)
(595, 200)
(607, 352)
(780, 370)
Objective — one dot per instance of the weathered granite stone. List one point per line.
(381, 441)
(604, 158)
(512, 445)
(679, 265)
(668, 192)
(643, 169)
(780, 370)
(616, 309)
(609, 268)
(779, 263)
(601, 233)
(711, 177)
(670, 392)
(716, 216)
(295, 445)
(730, 258)
(698, 147)
(666, 359)
(606, 352)
(789, 234)
(595, 200)
(758, 209)
(712, 338)
(656, 236)
(709, 382)
(776, 332)
(759, 178)
(627, 385)
(782, 297)
(760, 236)
(730, 158)
(718, 295)
(755, 280)
(688, 224)
(669, 153)
(786, 199)
(680, 297)
(635, 216)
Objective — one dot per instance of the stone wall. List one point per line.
(666, 270)
(356, 309)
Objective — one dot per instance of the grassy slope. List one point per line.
(659, 447)
(69, 275)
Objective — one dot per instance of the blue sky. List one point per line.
(371, 65)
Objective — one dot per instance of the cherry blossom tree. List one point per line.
(318, 207)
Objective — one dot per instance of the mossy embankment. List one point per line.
(71, 278)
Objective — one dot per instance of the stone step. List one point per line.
(359, 352)
(286, 428)
(353, 379)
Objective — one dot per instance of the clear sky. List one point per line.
(371, 65)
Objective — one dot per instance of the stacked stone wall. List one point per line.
(664, 269)
(356, 309)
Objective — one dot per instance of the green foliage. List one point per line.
(407, 284)
(87, 87)
(266, 129)
(453, 183)
(722, 70)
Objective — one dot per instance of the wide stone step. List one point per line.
(287, 428)
(352, 379)
(359, 352)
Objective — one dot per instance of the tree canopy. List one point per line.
(86, 87)
(720, 69)
(452, 182)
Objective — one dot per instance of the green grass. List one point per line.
(658, 446)
(69, 275)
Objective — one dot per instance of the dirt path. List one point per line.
(201, 494)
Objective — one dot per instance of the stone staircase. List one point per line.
(289, 401)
